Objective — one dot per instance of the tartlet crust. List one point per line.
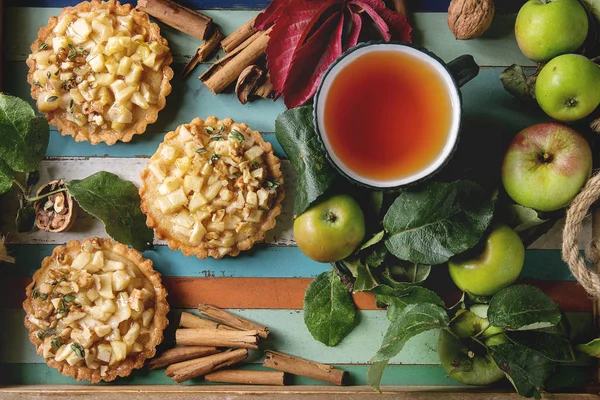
(149, 116)
(159, 322)
(148, 189)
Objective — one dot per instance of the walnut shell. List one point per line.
(57, 212)
(469, 19)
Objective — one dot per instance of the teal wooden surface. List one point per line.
(268, 262)
(487, 108)
(289, 335)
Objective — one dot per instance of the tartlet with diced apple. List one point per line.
(100, 71)
(96, 310)
(213, 188)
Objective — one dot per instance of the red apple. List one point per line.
(546, 165)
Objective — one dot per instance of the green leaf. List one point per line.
(550, 344)
(377, 256)
(517, 83)
(524, 218)
(397, 300)
(412, 320)
(594, 7)
(364, 279)
(117, 203)
(295, 132)
(524, 368)
(375, 373)
(406, 272)
(329, 311)
(24, 137)
(591, 348)
(437, 221)
(378, 237)
(6, 178)
(523, 307)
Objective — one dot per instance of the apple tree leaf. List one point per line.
(329, 312)
(432, 223)
(364, 278)
(24, 137)
(6, 178)
(116, 202)
(518, 84)
(523, 307)
(525, 218)
(594, 8)
(296, 133)
(378, 237)
(412, 320)
(551, 344)
(402, 272)
(375, 373)
(397, 299)
(591, 348)
(524, 368)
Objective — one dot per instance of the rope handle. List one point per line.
(577, 211)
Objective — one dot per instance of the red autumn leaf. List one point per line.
(266, 18)
(354, 30)
(289, 33)
(312, 60)
(399, 28)
(308, 35)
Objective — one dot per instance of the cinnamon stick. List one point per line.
(246, 377)
(192, 321)
(187, 370)
(203, 52)
(232, 320)
(238, 36)
(225, 71)
(299, 366)
(216, 338)
(179, 17)
(400, 7)
(179, 354)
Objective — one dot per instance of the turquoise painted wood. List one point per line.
(288, 334)
(267, 262)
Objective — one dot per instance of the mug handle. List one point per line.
(463, 69)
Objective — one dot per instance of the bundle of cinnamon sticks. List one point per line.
(245, 47)
(208, 345)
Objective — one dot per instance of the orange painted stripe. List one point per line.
(285, 293)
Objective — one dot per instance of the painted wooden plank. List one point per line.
(496, 48)
(488, 110)
(290, 335)
(288, 293)
(265, 262)
(130, 169)
(413, 375)
(413, 5)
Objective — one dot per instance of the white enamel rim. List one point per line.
(453, 90)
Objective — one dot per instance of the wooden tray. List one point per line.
(268, 284)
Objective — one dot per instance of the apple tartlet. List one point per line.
(96, 310)
(100, 71)
(213, 188)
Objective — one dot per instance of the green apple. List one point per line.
(331, 230)
(497, 267)
(546, 165)
(568, 87)
(548, 28)
(465, 359)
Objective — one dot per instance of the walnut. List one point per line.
(55, 213)
(469, 19)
